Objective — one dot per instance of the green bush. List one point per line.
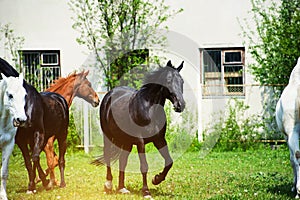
(235, 131)
(73, 138)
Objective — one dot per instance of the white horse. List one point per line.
(288, 121)
(12, 115)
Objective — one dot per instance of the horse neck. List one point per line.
(295, 74)
(153, 93)
(142, 102)
(4, 110)
(65, 89)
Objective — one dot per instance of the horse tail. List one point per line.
(112, 153)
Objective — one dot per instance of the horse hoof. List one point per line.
(62, 185)
(124, 191)
(157, 180)
(148, 197)
(48, 185)
(3, 196)
(108, 187)
(147, 194)
(30, 191)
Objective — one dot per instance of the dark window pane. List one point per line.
(233, 68)
(233, 57)
(212, 61)
(50, 58)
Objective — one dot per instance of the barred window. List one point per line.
(41, 67)
(223, 71)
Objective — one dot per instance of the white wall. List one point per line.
(45, 24)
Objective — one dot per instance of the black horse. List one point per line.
(129, 117)
(48, 115)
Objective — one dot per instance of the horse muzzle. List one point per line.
(17, 122)
(179, 105)
(95, 103)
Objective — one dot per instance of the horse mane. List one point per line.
(58, 83)
(157, 76)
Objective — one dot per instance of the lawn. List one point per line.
(260, 174)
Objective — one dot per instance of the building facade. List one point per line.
(206, 35)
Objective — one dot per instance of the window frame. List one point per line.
(40, 74)
(223, 87)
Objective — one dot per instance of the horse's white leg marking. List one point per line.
(124, 191)
(108, 185)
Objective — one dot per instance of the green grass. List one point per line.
(260, 174)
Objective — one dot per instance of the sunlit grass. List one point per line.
(261, 174)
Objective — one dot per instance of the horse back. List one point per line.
(56, 113)
(114, 103)
(118, 96)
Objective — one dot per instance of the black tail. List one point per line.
(114, 154)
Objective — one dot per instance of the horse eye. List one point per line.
(10, 96)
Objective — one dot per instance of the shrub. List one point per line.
(73, 138)
(235, 130)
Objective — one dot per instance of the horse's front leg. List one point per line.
(143, 168)
(6, 152)
(122, 165)
(162, 146)
(39, 139)
(293, 145)
(25, 152)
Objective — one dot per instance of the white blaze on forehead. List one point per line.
(15, 98)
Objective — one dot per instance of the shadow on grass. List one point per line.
(283, 189)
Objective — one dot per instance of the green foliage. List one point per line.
(113, 29)
(275, 44)
(12, 42)
(181, 132)
(73, 139)
(236, 131)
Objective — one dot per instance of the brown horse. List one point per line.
(75, 85)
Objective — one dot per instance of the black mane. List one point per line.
(7, 69)
(158, 76)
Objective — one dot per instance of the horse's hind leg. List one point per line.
(51, 162)
(122, 165)
(62, 143)
(162, 146)
(107, 156)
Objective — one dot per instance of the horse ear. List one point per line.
(169, 64)
(21, 77)
(86, 73)
(180, 66)
(3, 76)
